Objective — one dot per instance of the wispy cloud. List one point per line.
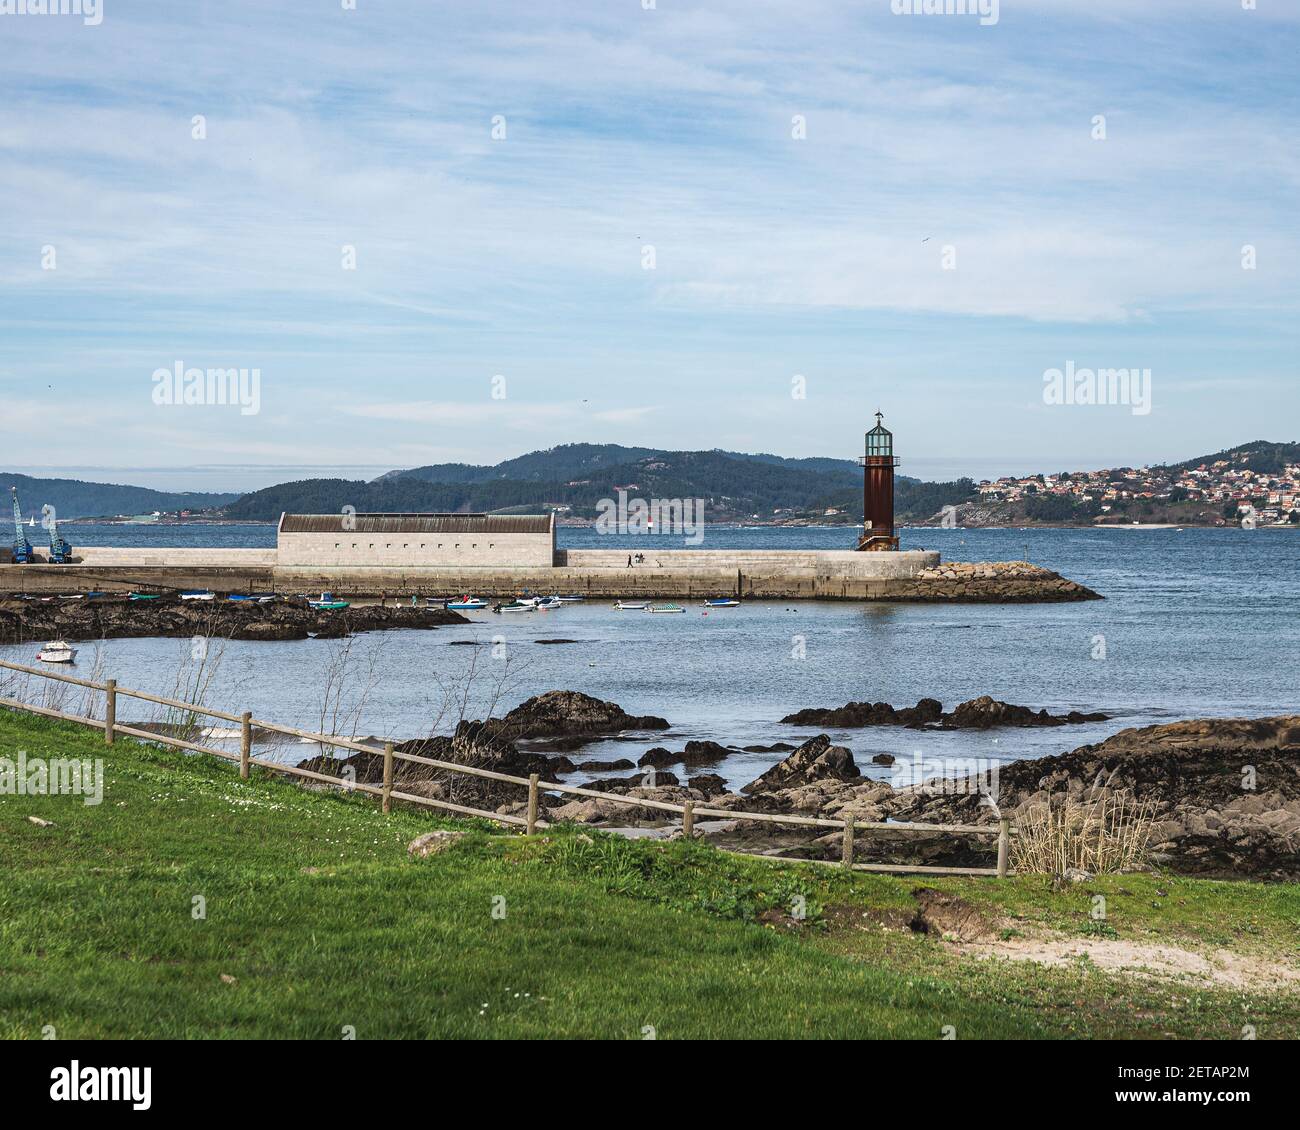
(928, 141)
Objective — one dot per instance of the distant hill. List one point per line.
(1262, 456)
(734, 486)
(74, 498)
(580, 460)
(555, 464)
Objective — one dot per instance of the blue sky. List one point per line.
(523, 256)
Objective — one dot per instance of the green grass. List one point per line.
(323, 921)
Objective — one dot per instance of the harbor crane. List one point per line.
(60, 550)
(22, 548)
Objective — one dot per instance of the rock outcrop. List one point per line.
(569, 715)
(112, 617)
(816, 760)
(981, 713)
(991, 582)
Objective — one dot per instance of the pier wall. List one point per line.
(774, 574)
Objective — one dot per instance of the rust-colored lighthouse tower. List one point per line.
(878, 489)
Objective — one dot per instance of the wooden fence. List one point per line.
(688, 811)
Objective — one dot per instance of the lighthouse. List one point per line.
(878, 489)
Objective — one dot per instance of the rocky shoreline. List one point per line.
(1223, 794)
(110, 617)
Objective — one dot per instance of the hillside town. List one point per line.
(1233, 491)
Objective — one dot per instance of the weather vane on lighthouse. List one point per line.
(878, 489)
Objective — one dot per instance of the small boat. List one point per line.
(725, 602)
(198, 594)
(665, 608)
(515, 606)
(550, 602)
(31, 522)
(327, 603)
(237, 598)
(572, 598)
(144, 596)
(467, 604)
(631, 605)
(57, 652)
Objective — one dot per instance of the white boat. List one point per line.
(572, 598)
(516, 606)
(725, 603)
(57, 652)
(467, 604)
(665, 608)
(198, 594)
(550, 602)
(631, 605)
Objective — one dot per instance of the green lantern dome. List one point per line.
(880, 440)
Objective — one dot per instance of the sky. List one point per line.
(446, 232)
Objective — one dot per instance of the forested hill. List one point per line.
(73, 498)
(734, 486)
(1262, 456)
(579, 460)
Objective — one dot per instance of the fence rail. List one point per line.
(688, 811)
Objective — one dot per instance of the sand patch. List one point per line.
(1218, 967)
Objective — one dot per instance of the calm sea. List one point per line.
(1196, 623)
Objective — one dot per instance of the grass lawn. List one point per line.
(316, 921)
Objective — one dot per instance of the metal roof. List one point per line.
(416, 523)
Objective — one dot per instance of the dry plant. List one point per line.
(348, 680)
(1103, 832)
(192, 682)
(473, 691)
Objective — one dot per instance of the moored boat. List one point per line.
(631, 605)
(327, 603)
(57, 651)
(550, 602)
(665, 608)
(144, 596)
(724, 602)
(198, 594)
(467, 604)
(515, 606)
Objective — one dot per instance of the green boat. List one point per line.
(144, 596)
(327, 603)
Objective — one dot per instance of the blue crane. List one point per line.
(60, 550)
(22, 548)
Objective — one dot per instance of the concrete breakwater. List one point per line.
(914, 575)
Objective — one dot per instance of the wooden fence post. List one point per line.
(245, 742)
(110, 710)
(533, 778)
(1004, 844)
(388, 777)
(688, 819)
(847, 855)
